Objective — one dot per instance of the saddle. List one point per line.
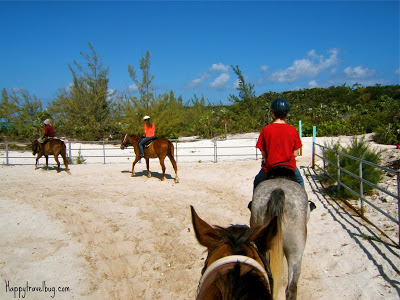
(148, 143)
(278, 172)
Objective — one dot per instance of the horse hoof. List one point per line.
(132, 174)
(176, 180)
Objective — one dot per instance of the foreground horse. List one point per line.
(236, 267)
(158, 148)
(52, 147)
(278, 194)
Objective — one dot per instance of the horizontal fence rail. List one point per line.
(359, 194)
(193, 150)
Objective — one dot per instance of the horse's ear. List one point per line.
(264, 238)
(205, 234)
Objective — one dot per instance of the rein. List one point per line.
(223, 265)
(125, 141)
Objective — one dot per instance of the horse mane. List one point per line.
(235, 235)
(241, 287)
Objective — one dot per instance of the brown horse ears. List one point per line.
(204, 233)
(264, 238)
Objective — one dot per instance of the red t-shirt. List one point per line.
(149, 131)
(49, 131)
(279, 141)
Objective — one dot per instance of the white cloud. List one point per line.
(236, 84)
(307, 67)
(133, 87)
(220, 67)
(264, 68)
(219, 72)
(197, 81)
(359, 72)
(397, 71)
(313, 84)
(220, 81)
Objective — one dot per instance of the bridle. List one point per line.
(125, 141)
(223, 265)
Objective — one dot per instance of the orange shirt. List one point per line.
(149, 131)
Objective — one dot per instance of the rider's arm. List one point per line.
(264, 154)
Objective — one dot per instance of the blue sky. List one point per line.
(278, 45)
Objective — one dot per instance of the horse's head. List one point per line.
(124, 141)
(35, 147)
(127, 139)
(235, 266)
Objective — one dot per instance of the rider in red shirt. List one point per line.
(47, 134)
(279, 143)
(149, 133)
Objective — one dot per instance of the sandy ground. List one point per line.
(100, 234)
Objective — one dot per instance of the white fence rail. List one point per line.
(193, 150)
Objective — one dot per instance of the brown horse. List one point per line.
(236, 267)
(159, 148)
(52, 147)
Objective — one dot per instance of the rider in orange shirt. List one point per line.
(149, 133)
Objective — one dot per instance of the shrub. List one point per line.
(386, 134)
(80, 159)
(359, 148)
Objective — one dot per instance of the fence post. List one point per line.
(398, 200)
(8, 161)
(69, 151)
(215, 152)
(104, 153)
(339, 173)
(301, 137)
(361, 189)
(314, 135)
(176, 151)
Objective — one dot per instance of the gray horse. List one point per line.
(270, 198)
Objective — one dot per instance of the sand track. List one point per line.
(106, 235)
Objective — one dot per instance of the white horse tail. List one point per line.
(275, 208)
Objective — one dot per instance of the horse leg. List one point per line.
(173, 162)
(47, 162)
(57, 161)
(162, 167)
(37, 159)
(294, 268)
(137, 158)
(64, 157)
(148, 168)
(294, 256)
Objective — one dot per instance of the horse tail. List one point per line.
(172, 159)
(275, 208)
(64, 155)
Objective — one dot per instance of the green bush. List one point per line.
(359, 148)
(386, 134)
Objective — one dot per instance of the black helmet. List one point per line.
(280, 104)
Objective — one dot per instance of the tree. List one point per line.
(145, 88)
(83, 110)
(29, 116)
(8, 111)
(246, 90)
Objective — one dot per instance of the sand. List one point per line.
(100, 234)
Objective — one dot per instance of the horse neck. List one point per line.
(133, 139)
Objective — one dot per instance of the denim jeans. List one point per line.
(141, 143)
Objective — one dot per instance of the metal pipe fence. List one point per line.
(360, 177)
(194, 150)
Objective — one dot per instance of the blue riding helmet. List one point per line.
(280, 104)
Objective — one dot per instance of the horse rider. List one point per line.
(279, 143)
(149, 133)
(48, 134)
